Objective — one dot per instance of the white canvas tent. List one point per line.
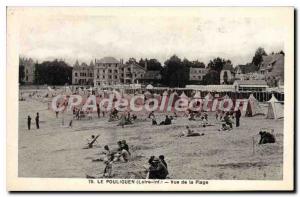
(183, 95)
(226, 97)
(165, 93)
(208, 96)
(149, 87)
(275, 109)
(197, 95)
(253, 108)
(68, 91)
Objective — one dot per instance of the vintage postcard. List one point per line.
(150, 98)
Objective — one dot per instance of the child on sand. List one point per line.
(108, 169)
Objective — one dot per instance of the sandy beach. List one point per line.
(55, 151)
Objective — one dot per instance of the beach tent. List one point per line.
(208, 101)
(253, 107)
(208, 96)
(275, 108)
(183, 95)
(68, 91)
(51, 92)
(197, 95)
(165, 93)
(226, 97)
(149, 87)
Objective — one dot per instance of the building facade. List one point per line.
(250, 85)
(197, 74)
(131, 73)
(107, 71)
(83, 74)
(272, 67)
(227, 74)
(29, 69)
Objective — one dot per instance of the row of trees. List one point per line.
(55, 72)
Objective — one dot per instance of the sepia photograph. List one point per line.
(163, 98)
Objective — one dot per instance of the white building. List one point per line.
(197, 74)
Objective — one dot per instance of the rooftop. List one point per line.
(251, 82)
(108, 60)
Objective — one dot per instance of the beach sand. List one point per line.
(55, 151)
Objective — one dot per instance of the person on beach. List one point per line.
(37, 120)
(28, 122)
(98, 110)
(238, 115)
(190, 133)
(162, 159)
(157, 170)
(56, 111)
(91, 139)
(108, 169)
(228, 120)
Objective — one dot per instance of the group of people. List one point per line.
(37, 121)
(108, 156)
(227, 119)
(158, 168)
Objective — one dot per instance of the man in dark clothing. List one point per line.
(228, 120)
(266, 137)
(37, 121)
(28, 122)
(167, 121)
(162, 159)
(98, 110)
(237, 117)
(125, 146)
(157, 170)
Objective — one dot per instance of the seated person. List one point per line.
(228, 120)
(192, 116)
(225, 127)
(105, 155)
(162, 159)
(167, 121)
(122, 153)
(266, 137)
(154, 121)
(157, 169)
(190, 133)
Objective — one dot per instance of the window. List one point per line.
(75, 74)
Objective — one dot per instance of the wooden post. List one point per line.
(253, 145)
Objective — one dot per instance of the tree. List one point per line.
(258, 57)
(175, 73)
(225, 77)
(53, 73)
(212, 77)
(215, 67)
(21, 74)
(153, 64)
(197, 64)
(131, 61)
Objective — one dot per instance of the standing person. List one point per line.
(28, 122)
(56, 111)
(228, 120)
(37, 120)
(237, 117)
(98, 110)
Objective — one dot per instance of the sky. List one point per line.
(88, 34)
